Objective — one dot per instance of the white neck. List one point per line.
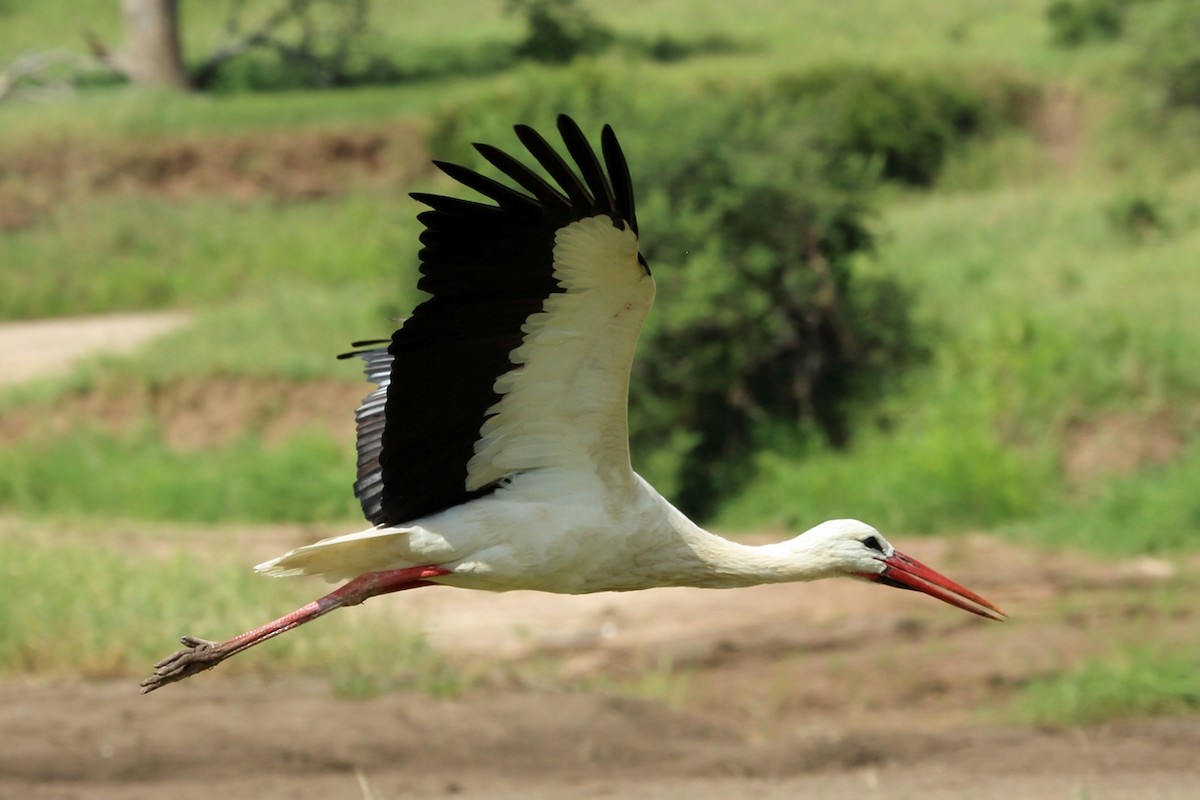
(717, 563)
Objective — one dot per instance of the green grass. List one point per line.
(661, 681)
(115, 114)
(938, 479)
(288, 331)
(1149, 681)
(123, 253)
(1156, 511)
(92, 473)
(88, 607)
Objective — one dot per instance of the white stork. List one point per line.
(494, 453)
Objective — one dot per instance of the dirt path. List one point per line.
(33, 349)
(291, 739)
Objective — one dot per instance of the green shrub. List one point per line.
(909, 123)
(559, 31)
(766, 329)
(1077, 22)
(1169, 46)
(754, 206)
(1137, 216)
(668, 48)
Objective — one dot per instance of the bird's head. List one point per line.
(854, 549)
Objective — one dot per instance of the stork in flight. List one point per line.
(494, 453)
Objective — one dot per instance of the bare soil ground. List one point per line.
(829, 690)
(291, 739)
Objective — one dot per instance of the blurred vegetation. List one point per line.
(1169, 44)
(303, 479)
(322, 44)
(1143, 682)
(1076, 22)
(908, 123)
(99, 613)
(272, 46)
(924, 283)
(1165, 34)
(559, 30)
(882, 295)
(1137, 216)
(138, 252)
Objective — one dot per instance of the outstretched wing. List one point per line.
(519, 360)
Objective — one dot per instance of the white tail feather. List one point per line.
(338, 558)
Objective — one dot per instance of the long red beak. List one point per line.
(904, 572)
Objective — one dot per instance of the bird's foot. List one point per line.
(197, 655)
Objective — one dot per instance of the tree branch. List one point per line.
(32, 75)
(237, 43)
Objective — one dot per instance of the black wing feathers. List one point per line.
(487, 268)
(549, 197)
(553, 163)
(621, 181)
(505, 196)
(585, 157)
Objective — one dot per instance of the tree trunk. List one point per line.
(151, 55)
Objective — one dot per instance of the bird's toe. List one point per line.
(197, 655)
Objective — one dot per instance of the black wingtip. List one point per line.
(556, 167)
(527, 179)
(368, 343)
(618, 170)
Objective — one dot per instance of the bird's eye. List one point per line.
(873, 543)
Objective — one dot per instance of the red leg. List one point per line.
(201, 654)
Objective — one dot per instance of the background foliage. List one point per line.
(910, 284)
